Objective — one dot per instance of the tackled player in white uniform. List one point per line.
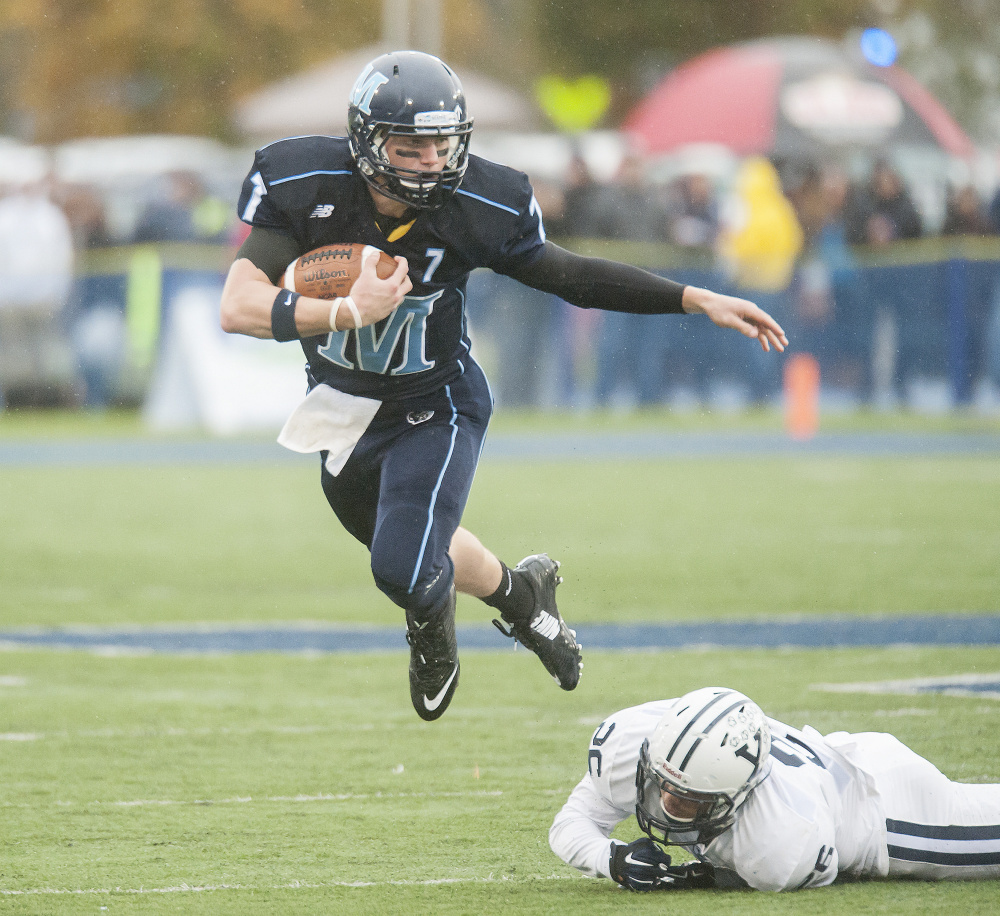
(765, 805)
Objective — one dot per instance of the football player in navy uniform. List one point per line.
(398, 407)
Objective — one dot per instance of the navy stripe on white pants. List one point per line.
(948, 850)
(935, 828)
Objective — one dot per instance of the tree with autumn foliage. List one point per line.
(77, 68)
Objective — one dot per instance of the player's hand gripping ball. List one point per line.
(330, 270)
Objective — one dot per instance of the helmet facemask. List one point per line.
(414, 187)
(702, 762)
(713, 811)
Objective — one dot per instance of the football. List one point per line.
(330, 270)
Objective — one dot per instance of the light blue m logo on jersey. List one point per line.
(374, 350)
(365, 87)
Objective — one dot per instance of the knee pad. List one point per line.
(420, 596)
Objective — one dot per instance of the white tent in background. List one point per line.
(125, 170)
(132, 158)
(315, 102)
(21, 164)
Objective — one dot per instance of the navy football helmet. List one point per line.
(409, 93)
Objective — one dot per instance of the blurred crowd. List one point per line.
(81, 301)
(818, 250)
(68, 323)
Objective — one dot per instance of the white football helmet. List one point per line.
(705, 756)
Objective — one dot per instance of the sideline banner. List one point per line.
(225, 384)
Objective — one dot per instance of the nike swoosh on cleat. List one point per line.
(431, 705)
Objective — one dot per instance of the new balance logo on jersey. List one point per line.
(322, 211)
(546, 625)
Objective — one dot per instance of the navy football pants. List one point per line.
(404, 488)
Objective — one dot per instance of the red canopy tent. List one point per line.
(796, 96)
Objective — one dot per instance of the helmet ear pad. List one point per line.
(409, 93)
(704, 758)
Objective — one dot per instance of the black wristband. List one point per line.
(283, 316)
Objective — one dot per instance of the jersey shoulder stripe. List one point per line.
(486, 200)
(311, 174)
(304, 157)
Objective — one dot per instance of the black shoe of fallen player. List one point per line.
(433, 663)
(544, 631)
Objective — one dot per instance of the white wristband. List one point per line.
(335, 309)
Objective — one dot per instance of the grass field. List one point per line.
(306, 784)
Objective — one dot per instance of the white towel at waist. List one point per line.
(328, 420)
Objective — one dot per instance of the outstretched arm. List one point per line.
(600, 283)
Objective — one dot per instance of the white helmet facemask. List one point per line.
(704, 758)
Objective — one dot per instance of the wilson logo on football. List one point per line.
(323, 273)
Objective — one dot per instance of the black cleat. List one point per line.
(433, 662)
(544, 631)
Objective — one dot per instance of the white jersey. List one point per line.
(821, 811)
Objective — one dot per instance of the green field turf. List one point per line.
(680, 539)
(266, 784)
(306, 784)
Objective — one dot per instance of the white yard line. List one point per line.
(293, 885)
(978, 686)
(266, 799)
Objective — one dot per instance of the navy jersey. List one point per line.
(308, 188)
